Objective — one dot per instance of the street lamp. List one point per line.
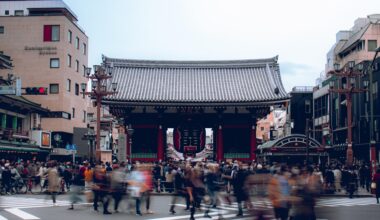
(99, 90)
(350, 75)
(130, 132)
(83, 87)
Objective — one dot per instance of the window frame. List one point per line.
(2, 30)
(54, 59)
(69, 57)
(372, 49)
(17, 11)
(48, 33)
(76, 89)
(51, 85)
(77, 66)
(68, 85)
(77, 42)
(70, 36)
(84, 48)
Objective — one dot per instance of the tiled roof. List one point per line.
(197, 81)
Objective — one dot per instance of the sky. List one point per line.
(300, 32)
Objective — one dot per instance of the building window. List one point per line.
(54, 62)
(77, 65)
(68, 60)
(361, 45)
(6, 12)
(1, 29)
(374, 90)
(307, 107)
(84, 70)
(54, 88)
(84, 48)
(372, 45)
(84, 116)
(68, 85)
(69, 36)
(77, 42)
(76, 89)
(73, 113)
(51, 33)
(19, 13)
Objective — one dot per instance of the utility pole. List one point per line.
(349, 74)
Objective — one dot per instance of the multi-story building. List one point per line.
(301, 109)
(49, 50)
(20, 137)
(358, 44)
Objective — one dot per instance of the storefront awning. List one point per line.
(22, 149)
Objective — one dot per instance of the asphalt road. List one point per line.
(40, 207)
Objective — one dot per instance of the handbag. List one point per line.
(373, 185)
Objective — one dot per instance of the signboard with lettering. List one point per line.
(45, 50)
(191, 137)
(122, 148)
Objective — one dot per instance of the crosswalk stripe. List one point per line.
(19, 202)
(3, 218)
(21, 214)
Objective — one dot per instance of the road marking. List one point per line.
(21, 214)
(2, 218)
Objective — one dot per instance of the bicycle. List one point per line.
(32, 185)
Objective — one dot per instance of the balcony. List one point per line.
(14, 135)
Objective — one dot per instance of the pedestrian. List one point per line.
(135, 184)
(53, 180)
(337, 179)
(279, 192)
(117, 185)
(376, 180)
(179, 189)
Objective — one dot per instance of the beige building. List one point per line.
(48, 50)
(357, 44)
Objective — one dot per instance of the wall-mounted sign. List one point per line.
(45, 139)
(46, 50)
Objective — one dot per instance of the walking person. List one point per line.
(117, 185)
(179, 189)
(376, 180)
(279, 192)
(53, 181)
(337, 179)
(239, 176)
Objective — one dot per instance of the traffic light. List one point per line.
(35, 91)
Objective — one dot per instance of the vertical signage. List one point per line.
(122, 148)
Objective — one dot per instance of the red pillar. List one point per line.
(219, 144)
(253, 143)
(177, 139)
(160, 143)
(373, 158)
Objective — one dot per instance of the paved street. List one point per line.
(40, 207)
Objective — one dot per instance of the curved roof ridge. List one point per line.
(191, 63)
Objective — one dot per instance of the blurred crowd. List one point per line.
(291, 190)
